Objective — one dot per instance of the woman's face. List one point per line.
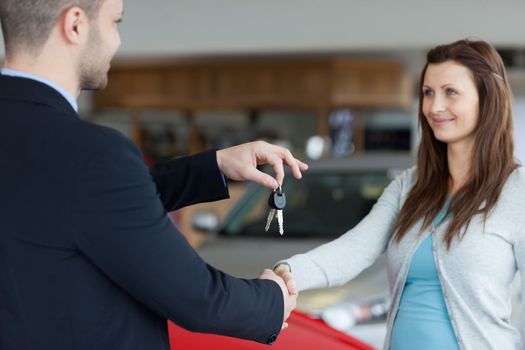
(451, 102)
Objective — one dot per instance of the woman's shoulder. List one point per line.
(520, 171)
(511, 204)
(408, 177)
(411, 173)
(403, 181)
(513, 193)
(516, 180)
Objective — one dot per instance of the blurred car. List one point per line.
(332, 197)
(304, 333)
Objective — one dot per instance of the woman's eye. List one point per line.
(451, 92)
(428, 92)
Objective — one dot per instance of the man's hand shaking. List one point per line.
(290, 299)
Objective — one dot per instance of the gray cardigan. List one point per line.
(475, 274)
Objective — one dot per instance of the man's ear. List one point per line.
(74, 25)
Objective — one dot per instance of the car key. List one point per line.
(271, 215)
(277, 202)
(280, 221)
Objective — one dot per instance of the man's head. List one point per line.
(102, 43)
(81, 33)
(27, 24)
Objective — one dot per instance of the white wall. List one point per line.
(188, 27)
(406, 27)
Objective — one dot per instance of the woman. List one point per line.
(452, 227)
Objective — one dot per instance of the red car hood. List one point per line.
(303, 333)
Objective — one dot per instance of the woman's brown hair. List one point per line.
(492, 155)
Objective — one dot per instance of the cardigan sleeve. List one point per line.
(519, 254)
(340, 260)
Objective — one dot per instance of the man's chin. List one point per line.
(94, 86)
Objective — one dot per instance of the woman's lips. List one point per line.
(441, 121)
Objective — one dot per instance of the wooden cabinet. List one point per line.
(369, 84)
(252, 84)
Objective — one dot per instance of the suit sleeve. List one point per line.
(121, 226)
(189, 180)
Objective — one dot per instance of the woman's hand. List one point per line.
(283, 271)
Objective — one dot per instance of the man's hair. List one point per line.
(27, 24)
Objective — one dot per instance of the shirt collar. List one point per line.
(15, 73)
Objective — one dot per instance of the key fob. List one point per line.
(277, 200)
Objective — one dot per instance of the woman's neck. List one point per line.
(459, 164)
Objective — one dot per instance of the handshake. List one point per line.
(284, 278)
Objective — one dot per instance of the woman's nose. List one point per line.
(438, 104)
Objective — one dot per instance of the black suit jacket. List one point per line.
(88, 258)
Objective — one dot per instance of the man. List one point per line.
(88, 258)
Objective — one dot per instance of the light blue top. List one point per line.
(422, 320)
(15, 73)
